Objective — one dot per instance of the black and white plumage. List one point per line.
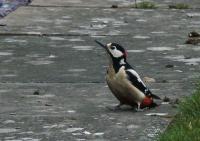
(123, 81)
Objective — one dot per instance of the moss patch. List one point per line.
(145, 5)
(179, 6)
(186, 124)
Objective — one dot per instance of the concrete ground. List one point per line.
(52, 72)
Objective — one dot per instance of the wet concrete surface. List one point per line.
(77, 111)
(50, 48)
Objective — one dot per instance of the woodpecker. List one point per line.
(124, 82)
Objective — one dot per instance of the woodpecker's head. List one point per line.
(115, 51)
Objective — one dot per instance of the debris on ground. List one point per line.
(48, 104)
(149, 79)
(166, 99)
(169, 66)
(175, 101)
(156, 114)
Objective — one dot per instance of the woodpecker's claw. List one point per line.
(114, 108)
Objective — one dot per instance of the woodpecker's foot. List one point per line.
(114, 108)
(141, 110)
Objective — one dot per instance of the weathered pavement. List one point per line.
(49, 46)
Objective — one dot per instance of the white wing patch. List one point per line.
(136, 75)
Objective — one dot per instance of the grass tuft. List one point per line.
(186, 124)
(145, 5)
(179, 6)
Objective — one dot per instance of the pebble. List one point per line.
(169, 66)
(114, 6)
(166, 99)
(37, 92)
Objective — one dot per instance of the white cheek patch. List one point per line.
(116, 53)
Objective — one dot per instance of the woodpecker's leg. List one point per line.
(138, 108)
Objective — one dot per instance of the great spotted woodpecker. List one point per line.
(124, 82)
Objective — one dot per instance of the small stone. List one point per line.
(125, 21)
(114, 6)
(188, 57)
(176, 101)
(169, 66)
(164, 81)
(166, 99)
(48, 104)
(37, 92)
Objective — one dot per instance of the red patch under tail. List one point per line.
(148, 102)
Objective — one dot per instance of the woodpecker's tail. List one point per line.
(148, 102)
(155, 96)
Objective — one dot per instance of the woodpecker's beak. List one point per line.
(102, 45)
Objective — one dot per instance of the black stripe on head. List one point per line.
(119, 47)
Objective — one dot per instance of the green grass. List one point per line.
(179, 6)
(186, 124)
(145, 5)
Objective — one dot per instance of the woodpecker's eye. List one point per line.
(113, 47)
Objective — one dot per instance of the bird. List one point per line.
(124, 82)
(193, 34)
(193, 38)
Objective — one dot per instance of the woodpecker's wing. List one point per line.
(135, 79)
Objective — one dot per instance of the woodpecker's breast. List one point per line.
(121, 87)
